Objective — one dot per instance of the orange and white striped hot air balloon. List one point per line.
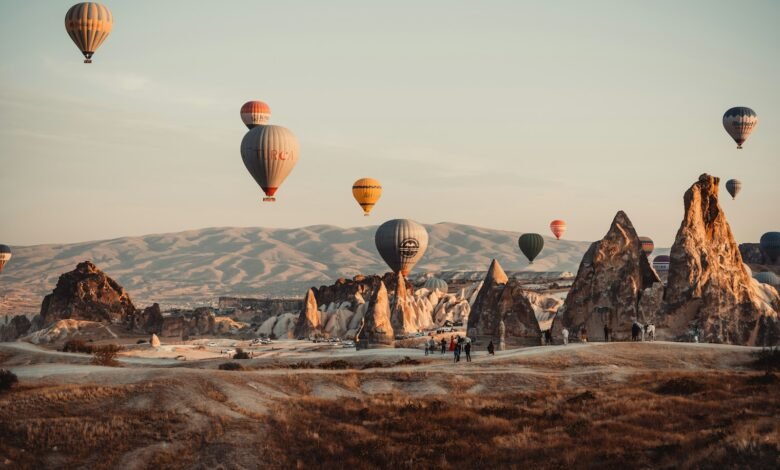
(558, 228)
(255, 113)
(88, 24)
(367, 192)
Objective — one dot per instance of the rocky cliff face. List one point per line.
(709, 289)
(612, 280)
(503, 301)
(148, 321)
(86, 293)
(308, 323)
(14, 328)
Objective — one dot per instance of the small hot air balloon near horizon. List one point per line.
(770, 243)
(767, 277)
(661, 263)
(647, 245)
(269, 154)
(531, 245)
(5, 256)
(733, 187)
(88, 24)
(367, 192)
(739, 122)
(436, 284)
(401, 243)
(255, 113)
(558, 228)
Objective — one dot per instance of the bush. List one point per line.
(7, 379)
(272, 336)
(231, 366)
(240, 354)
(141, 341)
(106, 355)
(768, 359)
(78, 346)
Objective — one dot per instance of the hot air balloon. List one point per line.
(255, 113)
(661, 263)
(401, 243)
(367, 192)
(269, 153)
(531, 245)
(770, 243)
(558, 228)
(647, 245)
(88, 25)
(5, 255)
(436, 284)
(767, 277)
(733, 187)
(739, 122)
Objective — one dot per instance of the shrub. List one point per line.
(78, 346)
(141, 341)
(106, 355)
(7, 379)
(231, 366)
(272, 336)
(240, 354)
(768, 359)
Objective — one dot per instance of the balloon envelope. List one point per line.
(739, 122)
(770, 243)
(733, 187)
(531, 245)
(401, 243)
(647, 245)
(255, 113)
(767, 277)
(88, 24)
(436, 284)
(661, 263)
(270, 154)
(5, 255)
(367, 192)
(558, 228)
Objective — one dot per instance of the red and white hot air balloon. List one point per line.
(255, 113)
(558, 228)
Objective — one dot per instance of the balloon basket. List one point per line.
(87, 61)
(269, 199)
(366, 214)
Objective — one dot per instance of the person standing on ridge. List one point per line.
(443, 345)
(467, 348)
(491, 349)
(606, 333)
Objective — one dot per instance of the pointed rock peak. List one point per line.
(622, 223)
(309, 319)
(495, 274)
(400, 287)
(310, 298)
(380, 292)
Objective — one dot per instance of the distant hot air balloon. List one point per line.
(270, 154)
(558, 228)
(5, 255)
(255, 113)
(739, 122)
(767, 277)
(436, 284)
(770, 243)
(531, 245)
(367, 192)
(647, 245)
(88, 25)
(401, 243)
(661, 263)
(733, 187)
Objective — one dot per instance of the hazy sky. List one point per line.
(503, 114)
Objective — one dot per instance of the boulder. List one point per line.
(155, 341)
(86, 293)
(709, 290)
(613, 276)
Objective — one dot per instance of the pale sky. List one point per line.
(502, 114)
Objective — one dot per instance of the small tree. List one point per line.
(106, 355)
(240, 354)
(77, 346)
(7, 379)
(231, 366)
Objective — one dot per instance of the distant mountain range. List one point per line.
(196, 266)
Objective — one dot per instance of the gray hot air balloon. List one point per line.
(270, 154)
(733, 187)
(401, 243)
(436, 284)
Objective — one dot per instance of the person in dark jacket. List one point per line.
(548, 337)
(491, 349)
(606, 334)
(443, 345)
(467, 349)
(457, 352)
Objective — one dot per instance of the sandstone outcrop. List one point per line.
(308, 323)
(147, 321)
(612, 280)
(155, 341)
(14, 329)
(376, 328)
(709, 290)
(86, 293)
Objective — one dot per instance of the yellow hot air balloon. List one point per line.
(88, 25)
(367, 192)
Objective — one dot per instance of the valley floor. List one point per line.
(660, 405)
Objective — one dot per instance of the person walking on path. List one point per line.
(565, 334)
(548, 337)
(452, 343)
(457, 353)
(467, 349)
(606, 334)
(426, 348)
(443, 345)
(491, 349)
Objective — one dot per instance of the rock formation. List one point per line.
(612, 280)
(146, 321)
(503, 301)
(309, 320)
(709, 289)
(753, 254)
(14, 329)
(155, 341)
(376, 328)
(86, 293)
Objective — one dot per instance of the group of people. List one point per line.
(458, 346)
